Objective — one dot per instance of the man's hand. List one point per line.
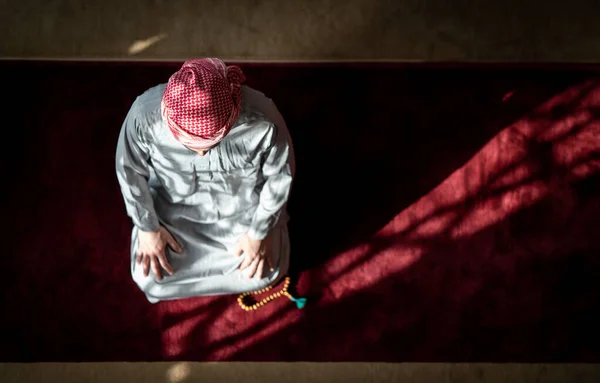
(151, 251)
(255, 252)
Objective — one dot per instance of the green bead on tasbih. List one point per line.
(300, 302)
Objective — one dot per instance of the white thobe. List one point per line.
(207, 202)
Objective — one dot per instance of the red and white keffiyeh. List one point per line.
(202, 101)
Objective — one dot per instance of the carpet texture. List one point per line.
(439, 214)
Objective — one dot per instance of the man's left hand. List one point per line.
(256, 253)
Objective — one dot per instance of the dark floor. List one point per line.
(421, 30)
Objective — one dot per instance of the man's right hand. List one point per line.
(151, 251)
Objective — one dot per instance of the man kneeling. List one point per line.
(205, 167)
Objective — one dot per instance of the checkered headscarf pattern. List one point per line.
(202, 101)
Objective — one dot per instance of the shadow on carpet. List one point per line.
(438, 214)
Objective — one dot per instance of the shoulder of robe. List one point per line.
(146, 110)
(254, 129)
(253, 112)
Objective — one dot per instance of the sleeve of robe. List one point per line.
(133, 172)
(278, 171)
